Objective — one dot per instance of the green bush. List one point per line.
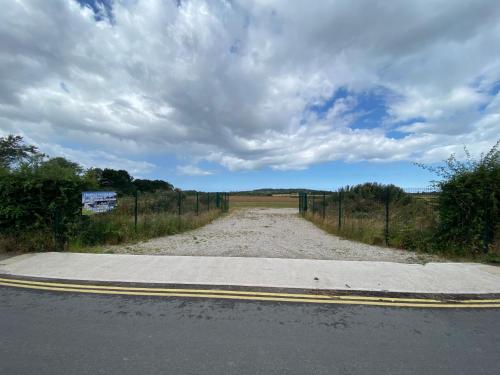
(469, 204)
(35, 200)
(40, 203)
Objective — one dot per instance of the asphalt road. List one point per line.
(68, 333)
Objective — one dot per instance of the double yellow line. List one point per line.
(251, 295)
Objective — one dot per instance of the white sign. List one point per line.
(98, 201)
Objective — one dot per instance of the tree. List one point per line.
(375, 191)
(145, 185)
(92, 177)
(58, 167)
(14, 152)
(119, 180)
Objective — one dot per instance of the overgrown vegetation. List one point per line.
(112, 228)
(40, 207)
(469, 204)
(40, 203)
(459, 216)
(375, 214)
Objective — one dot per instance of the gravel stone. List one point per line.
(268, 233)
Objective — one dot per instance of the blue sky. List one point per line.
(217, 95)
(323, 176)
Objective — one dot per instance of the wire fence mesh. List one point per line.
(391, 216)
(146, 215)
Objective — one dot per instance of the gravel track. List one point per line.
(269, 233)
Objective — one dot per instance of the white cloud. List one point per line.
(99, 159)
(234, 82)
(193, 170)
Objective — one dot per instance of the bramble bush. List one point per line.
(469, 205)
(39, 204)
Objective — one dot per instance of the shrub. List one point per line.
(34, 201)
(469, 204)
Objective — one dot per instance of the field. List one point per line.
(275, 201)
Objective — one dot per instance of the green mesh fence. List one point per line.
(396, 217)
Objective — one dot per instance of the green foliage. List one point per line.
(462, 219)
(374, 192)
(469, 203)
(41, 200)
(14, 152)
(40, 203)
(122, 182)
(117, 180)
(149, 186)
(60, 168)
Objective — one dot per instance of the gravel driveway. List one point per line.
(270, 233)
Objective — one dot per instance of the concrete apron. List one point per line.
(304, 274)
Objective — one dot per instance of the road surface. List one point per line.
(67, 333)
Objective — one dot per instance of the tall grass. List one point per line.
(113, 229)
(412, 223)
(108, 229)
(369, 231)
(28, 241)
(158, 215)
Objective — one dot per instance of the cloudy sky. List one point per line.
(224, 95)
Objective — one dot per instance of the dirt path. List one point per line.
(270, 233)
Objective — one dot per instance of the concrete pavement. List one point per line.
(433, 278)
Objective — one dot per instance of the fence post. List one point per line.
(197, 204)
(305, 202)
(135, 209)
(324, 205)
(56, 229)
(179, 202)
(386, 230)
(487, 222)
(208, 201)
(313, 203)
(340, 209)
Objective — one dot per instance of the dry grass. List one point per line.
(280, 201)
(367, 230)
(113, 229)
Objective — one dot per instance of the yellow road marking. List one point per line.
(232, 292)
(236, 292)
(253, 298)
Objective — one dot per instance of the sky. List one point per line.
(233, 95)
